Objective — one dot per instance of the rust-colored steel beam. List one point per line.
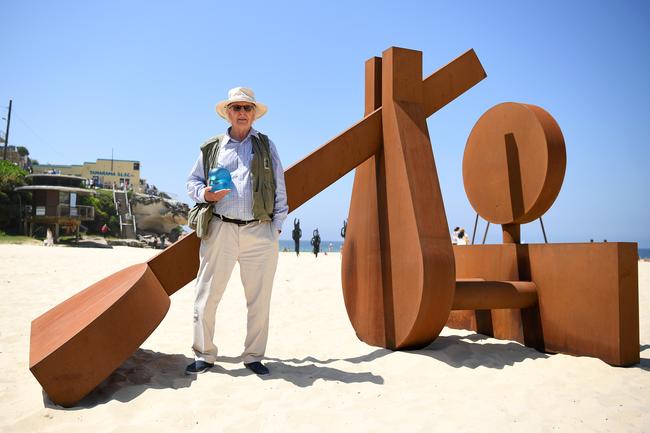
(394, 199)
(369, 215)
(422, 274)
(78, 343)
(348, 150)
(452, 80)
(333, 160)
(491, 295)
(177, 265)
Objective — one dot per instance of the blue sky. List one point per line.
(142, 78)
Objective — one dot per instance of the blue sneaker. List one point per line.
(198, 367)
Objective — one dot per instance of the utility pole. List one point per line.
(4, 156)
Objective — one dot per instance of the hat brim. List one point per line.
(222, 108)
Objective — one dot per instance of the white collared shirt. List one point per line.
(237, 157)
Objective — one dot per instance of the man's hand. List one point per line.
(215, 196)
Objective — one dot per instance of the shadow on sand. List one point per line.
(299, 375)
(469, 351)
(145, 369)
(148, 369)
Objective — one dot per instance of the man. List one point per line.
(241, 224)
(461, 237)
(296, 234)
(315, 242)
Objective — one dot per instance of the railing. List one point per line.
(83, 213)
(126, 217)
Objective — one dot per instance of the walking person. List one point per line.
(49, 238)
(241, 224)
(315, 242)
(296, 234)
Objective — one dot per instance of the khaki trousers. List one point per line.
(255, 247)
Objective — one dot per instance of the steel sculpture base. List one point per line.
(588, 297)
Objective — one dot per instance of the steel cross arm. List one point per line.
(334, 159)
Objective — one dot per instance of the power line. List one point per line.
(31, 129)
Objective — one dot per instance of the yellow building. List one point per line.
(104, 173)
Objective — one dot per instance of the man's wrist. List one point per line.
(203, 191)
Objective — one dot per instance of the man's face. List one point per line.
(239, 117)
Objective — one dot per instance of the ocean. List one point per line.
(305, 246)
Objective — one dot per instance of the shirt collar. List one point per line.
(253, 131)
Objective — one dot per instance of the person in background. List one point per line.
(296, 234)
(454, 235)
(315, 242)
(49, 238)
(462, 238)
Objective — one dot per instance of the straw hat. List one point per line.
(240, 94)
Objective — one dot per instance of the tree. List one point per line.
(11, 176)
(105, 212)
(22, 151)
(175, 233)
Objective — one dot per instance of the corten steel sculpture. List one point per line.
(587, 292)
(399, 267)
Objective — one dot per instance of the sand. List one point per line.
(323, 378)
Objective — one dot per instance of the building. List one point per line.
(54, 204)
(104, 173)
(14, 156)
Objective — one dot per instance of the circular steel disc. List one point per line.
(514, 163)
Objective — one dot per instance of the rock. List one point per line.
(158, 215)
(127, 243)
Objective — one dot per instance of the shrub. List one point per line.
(105, 212)
(11, 176)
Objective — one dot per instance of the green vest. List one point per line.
(263, 182)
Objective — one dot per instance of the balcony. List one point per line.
(61, 211)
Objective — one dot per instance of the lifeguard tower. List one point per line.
(55, 203)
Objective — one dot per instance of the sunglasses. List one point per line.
(246, 108)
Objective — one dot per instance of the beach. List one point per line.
(323, 378)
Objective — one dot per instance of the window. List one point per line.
(136, 166)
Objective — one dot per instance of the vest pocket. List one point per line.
(268, 197)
